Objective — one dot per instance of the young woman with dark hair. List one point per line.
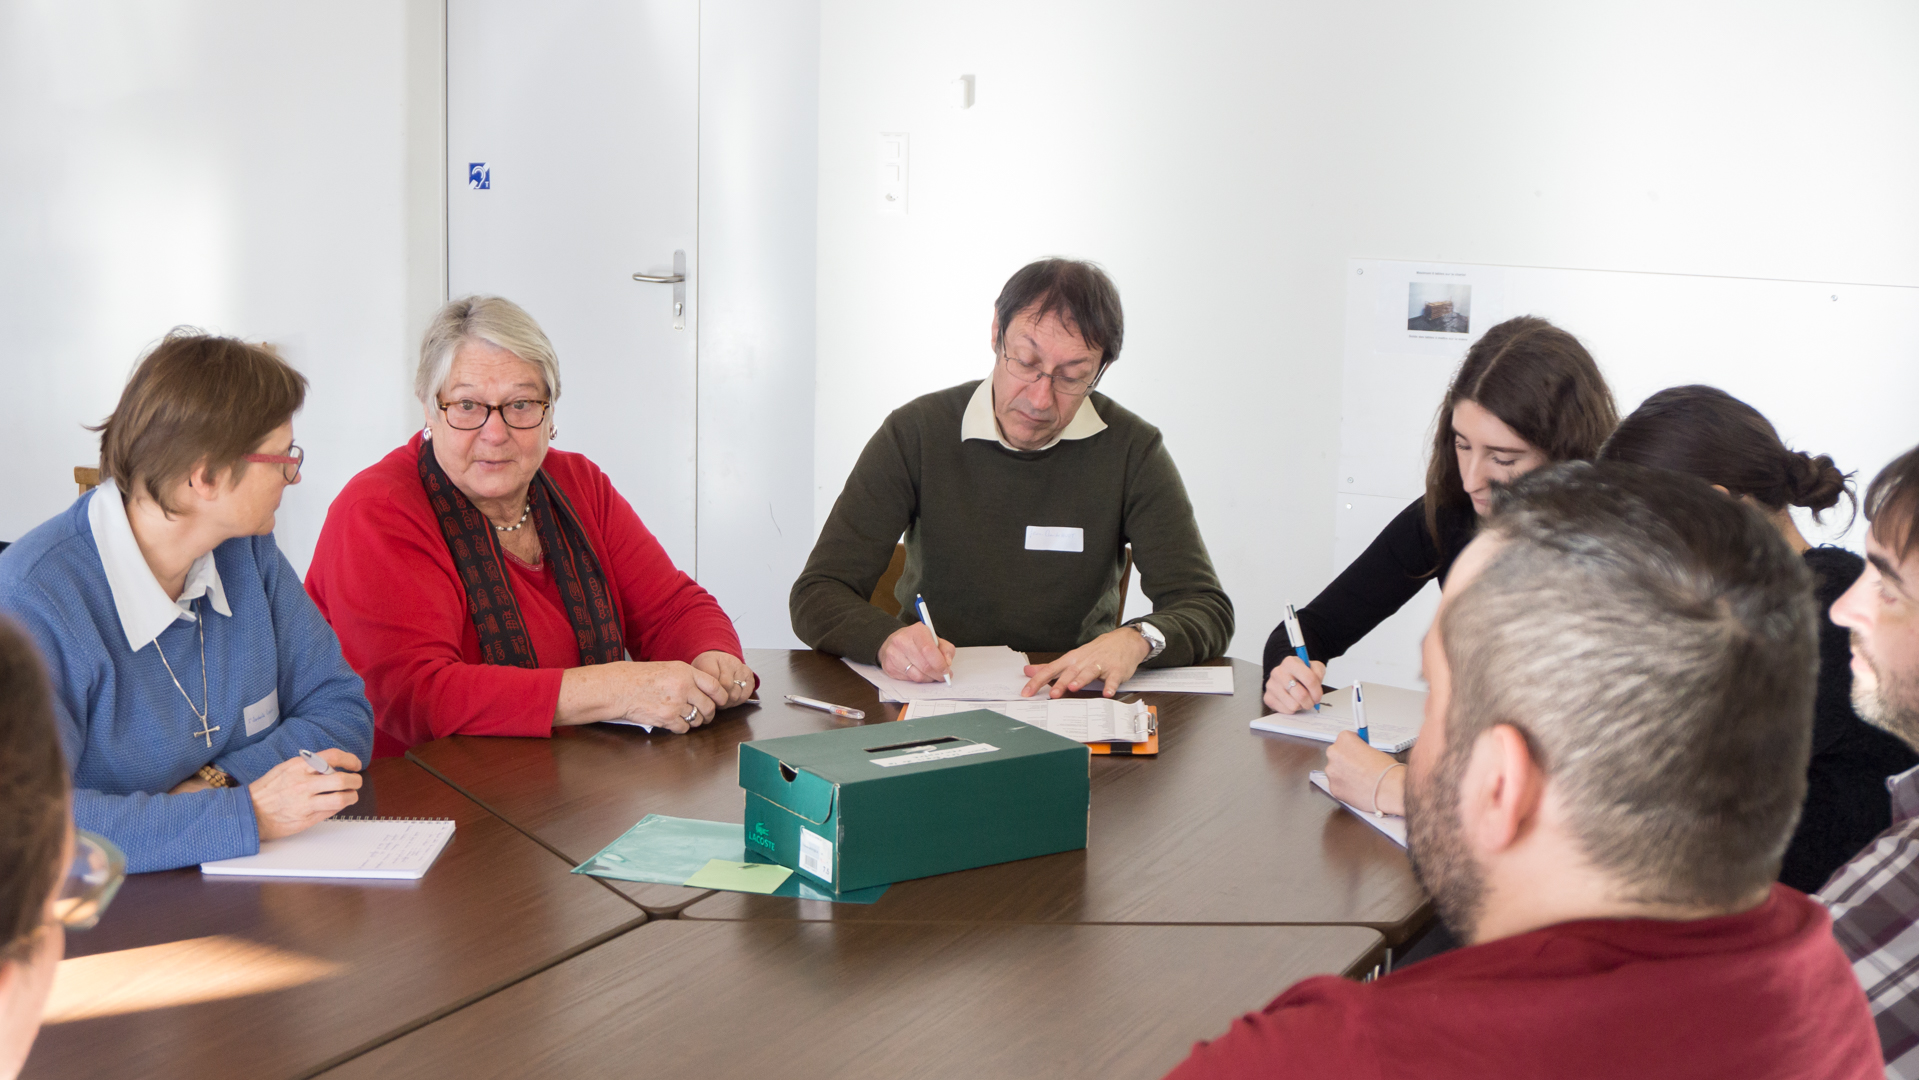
(1714, 436)
(1528, 394)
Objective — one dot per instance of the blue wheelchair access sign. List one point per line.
(478, 176)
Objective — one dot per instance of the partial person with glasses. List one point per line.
(1017, 495)
(52, 878)
(189, 668)
(487, 584)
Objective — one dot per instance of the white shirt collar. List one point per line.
(145, 609)
(978, 421)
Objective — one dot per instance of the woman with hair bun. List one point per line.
(1714, 436)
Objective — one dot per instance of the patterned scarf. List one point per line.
(489, 598)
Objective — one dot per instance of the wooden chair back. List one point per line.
(88, 479)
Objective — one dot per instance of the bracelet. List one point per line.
(1377, 812)
(214, 777)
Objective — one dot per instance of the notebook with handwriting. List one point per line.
(389, 848)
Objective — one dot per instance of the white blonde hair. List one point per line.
(495, 320)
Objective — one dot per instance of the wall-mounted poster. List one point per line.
(1439, 307)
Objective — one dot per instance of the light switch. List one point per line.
(893, 165)
(963, 92)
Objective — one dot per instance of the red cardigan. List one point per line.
(382, 575)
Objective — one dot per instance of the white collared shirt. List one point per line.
(978, 422)
(144, 608)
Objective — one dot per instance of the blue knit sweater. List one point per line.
(126, 729)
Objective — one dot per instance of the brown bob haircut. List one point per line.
(33, 795)
(195, 401)
(1079, 292)
(1892, 505)
(1539, 381)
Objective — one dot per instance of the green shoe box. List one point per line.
(862, 806)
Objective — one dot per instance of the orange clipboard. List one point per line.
(1149, 748)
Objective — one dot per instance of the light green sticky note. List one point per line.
(753, 877)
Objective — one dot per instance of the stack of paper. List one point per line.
(1176, 680)
(1391, 824)
(1393, 717)
(1086, 720)
(346, 848)
(980, 673)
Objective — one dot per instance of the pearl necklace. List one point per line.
(516, 525)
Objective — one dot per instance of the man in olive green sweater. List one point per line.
(1017, 496)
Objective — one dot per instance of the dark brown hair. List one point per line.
(1704, 431)
(1078, 292)
(195, 399)
(1892, 505)
(33, 794)
(1539, 381)
(1656, 644)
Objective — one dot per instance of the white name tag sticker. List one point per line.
(261, 714)
(816, 855)
(1054, 538)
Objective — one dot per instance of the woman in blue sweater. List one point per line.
(189, 667)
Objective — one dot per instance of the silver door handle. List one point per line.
(677, 279)
(662, 279)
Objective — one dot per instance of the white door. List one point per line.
(572, 165)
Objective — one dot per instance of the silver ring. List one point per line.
(692, 711)
(741, 683)
(1290, 683)
(909, 667)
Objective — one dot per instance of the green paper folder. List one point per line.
(668, 850)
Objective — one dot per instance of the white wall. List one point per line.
(759, 93)
(1224, 159)
(236, 166)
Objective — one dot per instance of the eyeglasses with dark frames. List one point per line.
(1027, 371)
(468, 415)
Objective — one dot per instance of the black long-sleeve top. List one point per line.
(1393, 568)
(1846, 799)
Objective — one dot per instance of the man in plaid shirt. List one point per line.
(1874, 899)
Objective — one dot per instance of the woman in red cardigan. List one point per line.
(483, 584)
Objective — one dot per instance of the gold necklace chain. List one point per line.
(200, 713)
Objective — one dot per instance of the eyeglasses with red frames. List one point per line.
(288, 462)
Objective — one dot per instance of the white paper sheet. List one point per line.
(1176, 680)
(1392, 824)
(1080, 719)
(1393, 717)
(980, 673)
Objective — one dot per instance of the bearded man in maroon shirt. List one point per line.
(1614, 752)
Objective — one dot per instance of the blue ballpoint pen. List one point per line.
(1359, 715)
(926, 616)
(1298, 639)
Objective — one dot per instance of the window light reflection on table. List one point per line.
(177, 973)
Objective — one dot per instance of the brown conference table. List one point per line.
(781, 998)
(190, 976)
(1221, 827)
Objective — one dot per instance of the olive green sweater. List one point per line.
(965, 508)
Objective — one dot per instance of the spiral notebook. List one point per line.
(387, 848)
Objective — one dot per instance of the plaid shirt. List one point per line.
(1874, 900)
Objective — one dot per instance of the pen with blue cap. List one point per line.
(1359, 714)
(1298, 640)
(926, 616)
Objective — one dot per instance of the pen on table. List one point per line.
(1298, 638)
(826, 706)
(926, 616)
(1359, 714)
(315, 762)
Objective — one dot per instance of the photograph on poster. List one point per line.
(1432, 307)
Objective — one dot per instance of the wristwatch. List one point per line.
(1155, 640)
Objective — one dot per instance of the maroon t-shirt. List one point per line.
(1765, 993)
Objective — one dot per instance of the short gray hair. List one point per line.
(1656, 644)
(494, 320)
